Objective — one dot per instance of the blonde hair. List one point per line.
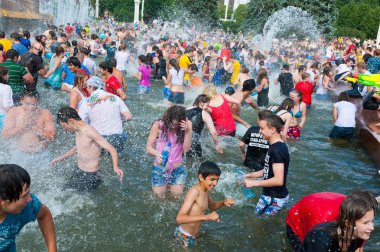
(210, 90)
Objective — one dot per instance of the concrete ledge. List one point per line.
(24, 15)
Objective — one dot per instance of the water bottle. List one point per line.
(248, 192)
(165, 154)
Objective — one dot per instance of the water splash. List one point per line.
(66, 11)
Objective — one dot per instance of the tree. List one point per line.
(203, 10)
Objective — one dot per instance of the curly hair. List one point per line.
(177, 113)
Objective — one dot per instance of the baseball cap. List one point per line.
(229, 90)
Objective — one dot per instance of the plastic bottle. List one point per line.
(247, 191)
(165, 154)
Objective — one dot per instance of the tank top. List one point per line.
(176, 152)
(195, 116)
(82, 105)
(321, 88)
(262, 97)
(55, 79)
(222, 117)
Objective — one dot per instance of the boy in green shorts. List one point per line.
(196, 201)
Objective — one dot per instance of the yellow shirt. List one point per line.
(235, 71)
(184, 63)
(7, 44)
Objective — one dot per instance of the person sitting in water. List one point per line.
(196, 202)
(106, 113)
(199, 115)
(31, 125)
(113, 85)
(18, 207)
(275, 194)
(254, 157)
(350, 231)
(344, 118)
(173, 131)
(88, 144)
(283, 112)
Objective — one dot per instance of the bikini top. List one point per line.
(298, 114)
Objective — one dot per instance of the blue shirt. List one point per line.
(373, 65)
(20, 48)
(69, 78)
(25, 42)
(13, 223)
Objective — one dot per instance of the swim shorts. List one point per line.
(144, 89)
(166, 92)
(162, 177)
(294, 132)
(117, 140)
(183, 238)
(342, 132)
(177, 97)
(271, 206)
(84, 181)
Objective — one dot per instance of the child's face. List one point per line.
(209, 182)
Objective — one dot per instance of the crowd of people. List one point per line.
(92, 65)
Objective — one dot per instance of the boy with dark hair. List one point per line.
(113, 85)
(275, 194)
(197, 200)
(286, 80)
(71, 67)
(19, 207)
(15, 38)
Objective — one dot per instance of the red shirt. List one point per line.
(223, 119)
(69, 29)
(112, 84)
(350, 48)
(313, 209)
(306, 89)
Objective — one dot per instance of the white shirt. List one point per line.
(105, 112)
(90, 64)
(177, 77)
(346, 114)
(122, 58)
(321, 88)
(343, 68)
(6, 100)
(312, 75)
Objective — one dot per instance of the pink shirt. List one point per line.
(145, 71)
(176, 152)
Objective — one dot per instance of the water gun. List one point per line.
(372, 80)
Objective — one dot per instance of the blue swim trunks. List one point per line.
(271, 206)
(183, 238)
(166, 92)
(144, 89)
(162, 177)
(177, 97)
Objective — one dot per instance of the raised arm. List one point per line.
(232, 100)
(46, 224)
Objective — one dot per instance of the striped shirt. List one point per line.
(16, 72)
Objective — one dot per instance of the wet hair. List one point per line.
(85, 51)
(3, 72)
(263, 114)
(12, 181)
(179, 52)
(58, 50)
(74, 43)
(202, 98)
(326, 71)
(177, 113)
(297, 92)
(174, 63)
(73, 61)
(274, 121)
(208, 168)
(93, 36)
(352, 209)
(16, 36)
(122, 47)
(26, 34)
(304, 76)
(79, 80)
(12, 53)
(244, 69)
(343, 96)
(30, 94)
(112, 62)
(285, 105)
(66, 113)
(190, 49)
(262, 74)
(193, 67)
(210, 90)
(249, 85)
(2, 34)
(361, 65)
(301, 68)
(106, 66)
(143, 58)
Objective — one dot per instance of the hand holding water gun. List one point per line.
(372, 80)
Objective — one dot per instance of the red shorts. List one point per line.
(294, 132)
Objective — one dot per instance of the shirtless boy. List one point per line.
(32, 125)
(197, 200)
(88, 146)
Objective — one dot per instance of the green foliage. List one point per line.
(202, 10)
(358, 19)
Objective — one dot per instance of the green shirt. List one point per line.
(16, 72)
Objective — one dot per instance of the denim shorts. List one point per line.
(177, 97)
(162, 177)
(144, 89)
(321, 97)
(342, 132)
(166, 92)
(271, 206)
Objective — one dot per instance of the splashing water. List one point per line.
(65, 11)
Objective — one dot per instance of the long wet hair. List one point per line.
(352, 209)
(202, 98)
(285, 105)
(174, 63)
(263, 74)
(79, 81)
(3, 72)
(177, 113)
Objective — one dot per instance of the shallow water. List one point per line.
(125, 216)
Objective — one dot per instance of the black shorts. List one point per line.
(294, 240)
(84, 181)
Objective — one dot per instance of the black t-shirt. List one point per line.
(33, 62)
(256, 150)
(366, 57)
(195, 116)
(286, 83)
(323, 237)
(277, 153)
